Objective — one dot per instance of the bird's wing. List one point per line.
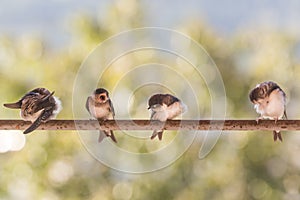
(87, 104)
(273, 87)
(41, 91)
(152, 115)
(112, 110)
(41, 99)
(284, 114)
(44, 116)
(46, 102)
(33, 126)
(284, 96)
(169, 99)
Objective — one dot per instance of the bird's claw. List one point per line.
(258, 119)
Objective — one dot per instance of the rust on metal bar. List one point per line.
(234, 125)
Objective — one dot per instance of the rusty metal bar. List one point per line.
(235, 125)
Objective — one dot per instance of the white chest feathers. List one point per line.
(164, 112)
(273, 107)
(100, 112)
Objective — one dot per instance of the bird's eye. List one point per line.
(102, 97)
(267, 101)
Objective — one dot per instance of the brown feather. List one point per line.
(162, 99)
(263, 90)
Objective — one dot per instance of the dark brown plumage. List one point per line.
(162, 99)
(37, 106)
(263, 90)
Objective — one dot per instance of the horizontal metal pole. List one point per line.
(235, 125)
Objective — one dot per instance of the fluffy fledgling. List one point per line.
(270, 102)
(164, 107)
(37, 106)
(101, 108)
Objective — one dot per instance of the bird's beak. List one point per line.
(149, 107)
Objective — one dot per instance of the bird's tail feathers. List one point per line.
(112, 136)
(157, 133)
(103, 134)
(277, 135)
(16, 105)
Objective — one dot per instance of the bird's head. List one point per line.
(101, 95)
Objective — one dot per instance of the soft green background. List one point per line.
(243, 165)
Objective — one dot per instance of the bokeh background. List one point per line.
(44, 44)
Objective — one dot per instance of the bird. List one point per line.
(164, 107)
(270, 102)
(100, 106)
(38, 106)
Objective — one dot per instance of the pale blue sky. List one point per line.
(49, 18)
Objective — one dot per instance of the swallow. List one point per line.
(270, 102)
(37, 106)
(164, 107)
(101, 108)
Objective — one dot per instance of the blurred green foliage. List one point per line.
(243, 165)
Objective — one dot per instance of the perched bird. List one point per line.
(270, 102)
(164, 107)
(100, 107)
(37, 106)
